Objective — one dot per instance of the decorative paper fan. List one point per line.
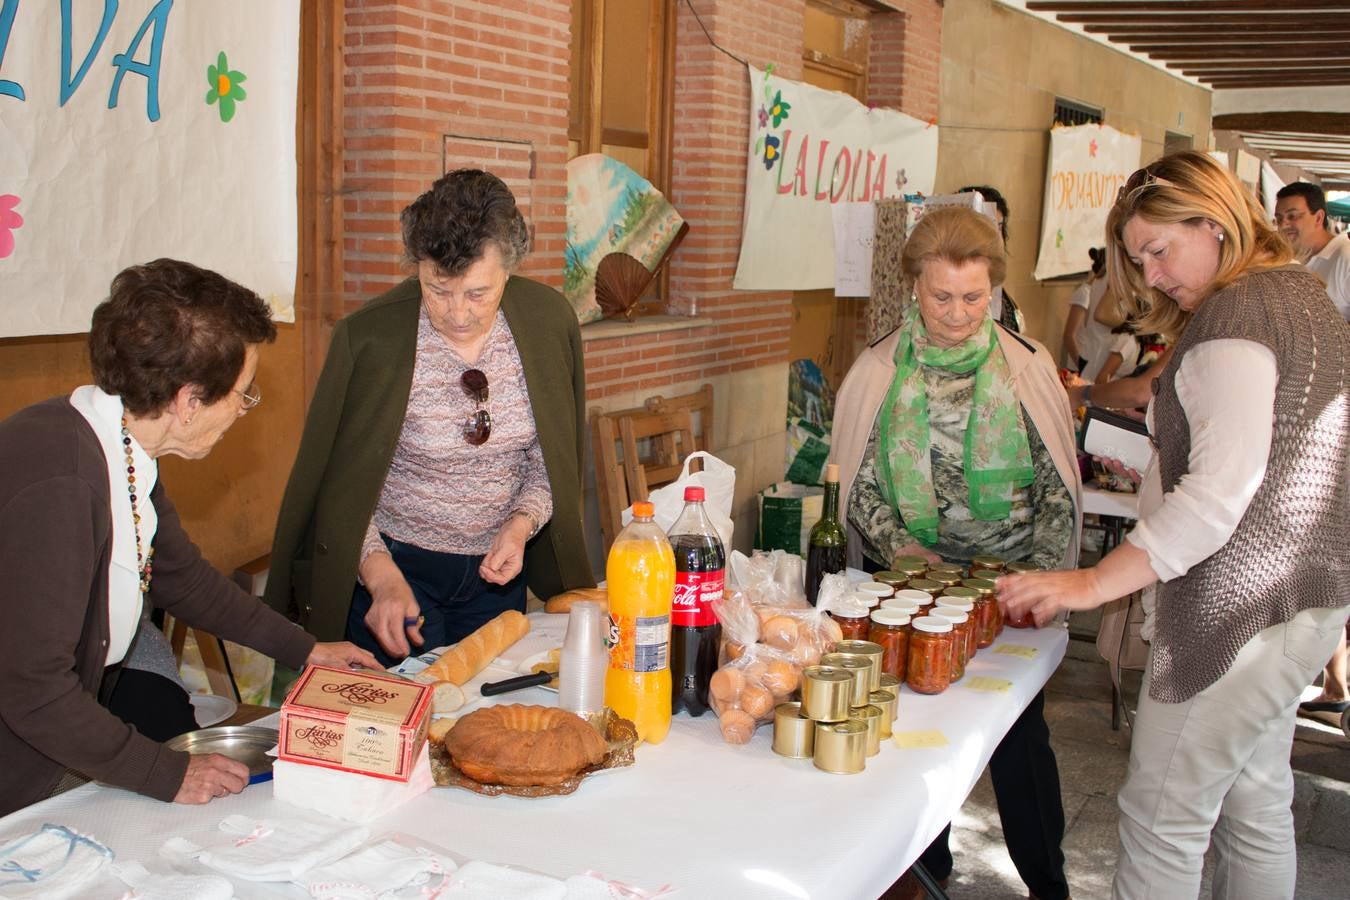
(619, 231)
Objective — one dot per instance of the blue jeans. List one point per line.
(453, 598)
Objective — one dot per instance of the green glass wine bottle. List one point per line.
(828, 545)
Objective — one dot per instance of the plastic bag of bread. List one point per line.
(744, 691)
(740, 623)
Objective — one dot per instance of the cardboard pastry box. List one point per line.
(355, 721)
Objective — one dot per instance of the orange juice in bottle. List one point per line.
(641, 578)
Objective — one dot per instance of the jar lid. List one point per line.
(890, 617)
(987, 562)
(890, 577)
(931, 624)
(956, 616)
(923, 598)
(910, 562)
(965, 593)
(986, 574)
(909, 607)
(944, 567)
(960, 603)
(875, 588)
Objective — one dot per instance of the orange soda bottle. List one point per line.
(640, 574)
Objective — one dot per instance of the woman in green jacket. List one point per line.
(440, 468)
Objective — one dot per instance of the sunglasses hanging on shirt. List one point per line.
(478, 426)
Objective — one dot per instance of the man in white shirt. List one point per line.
(1301, 216)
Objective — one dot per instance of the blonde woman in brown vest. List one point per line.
(1243, 540)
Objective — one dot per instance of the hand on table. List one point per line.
(341, 655)
(1042, 595)
(392, 607)
(505, 558)
(916, 549)
(209, 776)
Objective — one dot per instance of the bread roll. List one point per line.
(472, 655)
(562, 603)
(446, 698)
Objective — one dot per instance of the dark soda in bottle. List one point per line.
(695, 632)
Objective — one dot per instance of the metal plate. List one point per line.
(247, 744)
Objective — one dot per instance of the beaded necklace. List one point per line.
(144, 561)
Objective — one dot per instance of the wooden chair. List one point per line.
(214, 660)
(671, 436)
(611, 479)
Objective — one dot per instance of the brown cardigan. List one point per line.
(55, 547)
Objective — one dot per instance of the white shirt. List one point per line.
(1332, 265)
(1096, 341)
(1227, 388)
(103, 412)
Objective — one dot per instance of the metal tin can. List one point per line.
(794, 735)
(871, 716)
(841, 747)
(888, 702)
(890, 683)
(857, 666)
(870, 649)
(826, 692)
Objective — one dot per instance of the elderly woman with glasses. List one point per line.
(954, 439)
(1243, 542)
(91, 539)
(440, 468)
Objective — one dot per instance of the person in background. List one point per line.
(91, 537)
(1001, 304)
(1243, 538)
(1094, 350)
(1301, 216)
(440, 466)
(954, 439)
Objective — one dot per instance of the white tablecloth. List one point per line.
(705, 817)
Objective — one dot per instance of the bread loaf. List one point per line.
(446, 698)
(562, 603)
(471, 655)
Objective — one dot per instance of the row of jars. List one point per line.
(930, 627)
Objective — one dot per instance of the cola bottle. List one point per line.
(695, 632)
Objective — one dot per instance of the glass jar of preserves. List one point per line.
(928, 669)
(892, 579)
(961, 631)
(911, 566)
(985, 586)
(987, 562)
(967, 606)
(986, 625)
(890, 628)
(1019, 567)
(932, 588)
(853, 621)
(986, 574)
(945, 578)
(1025, 620)
(906, 606)
(875, 589)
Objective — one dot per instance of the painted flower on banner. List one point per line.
(778, 109)
(763, 117)
(771, 144)
(225, 87)
(10, 221)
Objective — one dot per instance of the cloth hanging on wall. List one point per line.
(136, 130)
(810, 148)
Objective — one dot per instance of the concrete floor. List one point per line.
(1092, 760)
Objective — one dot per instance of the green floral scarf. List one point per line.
(997, 456)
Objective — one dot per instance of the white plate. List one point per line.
(528, 663)
(210, 709)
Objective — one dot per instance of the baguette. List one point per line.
(562, 603)
(472, 655)
(446, 698)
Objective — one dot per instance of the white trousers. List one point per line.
(1218, 764)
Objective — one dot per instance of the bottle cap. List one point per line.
(643, 509)
(693, 493)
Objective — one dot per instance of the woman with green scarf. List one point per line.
(954, 439)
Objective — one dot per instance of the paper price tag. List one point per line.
(992, 685)
(913, 740)
(1021, 650)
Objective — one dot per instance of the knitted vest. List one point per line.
(1291, 549)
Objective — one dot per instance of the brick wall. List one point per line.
(903, 70)
(433, 85)
(712, 100)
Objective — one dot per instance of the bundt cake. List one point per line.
(523, 745)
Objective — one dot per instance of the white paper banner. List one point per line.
(135, 130)
(1088, 164)
(810, 149)
(1271, 183)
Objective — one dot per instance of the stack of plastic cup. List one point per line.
(581, 675)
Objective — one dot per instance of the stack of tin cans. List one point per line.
(847, 707)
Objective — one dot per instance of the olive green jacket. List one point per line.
(353, 425)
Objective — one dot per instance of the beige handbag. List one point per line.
(1120, 642)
